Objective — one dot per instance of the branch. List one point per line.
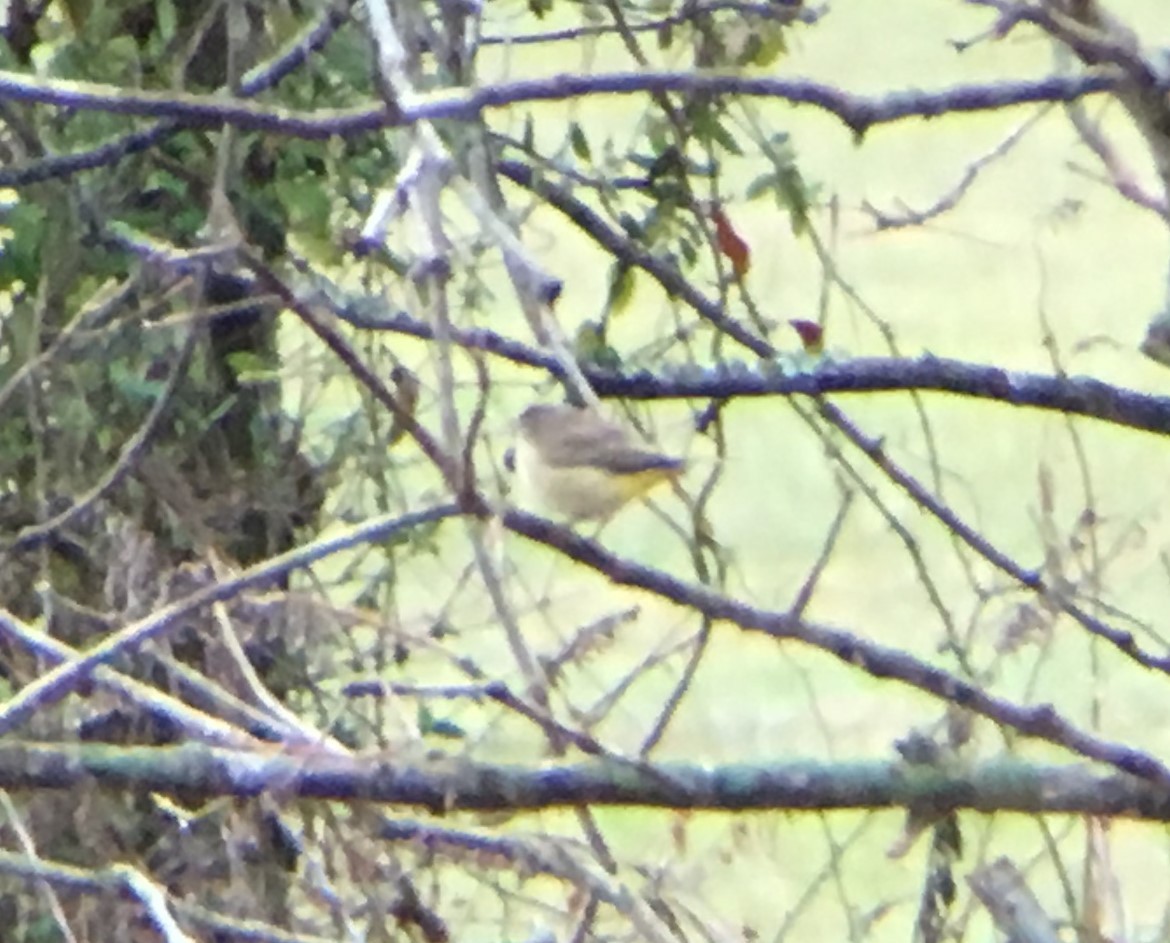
(859, 113)
(449, 784)
(951, 198)
(1003, 890)
(1073, 396)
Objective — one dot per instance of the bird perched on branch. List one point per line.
(579, 464)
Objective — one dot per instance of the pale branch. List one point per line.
(69, 879)
(1004, 891)
(449, 784)
(1094, 42)
(884, 220)
(27, 845)
(136, 885)
(235, 724)
(857, 112)
(1119, 174)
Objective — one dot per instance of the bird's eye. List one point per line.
(510, 460)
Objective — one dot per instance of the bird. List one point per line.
(577, 463)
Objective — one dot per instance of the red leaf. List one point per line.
(731, 243)
(812, 335)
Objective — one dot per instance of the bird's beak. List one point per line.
(510, 459)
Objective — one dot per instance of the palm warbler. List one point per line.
(577, 463)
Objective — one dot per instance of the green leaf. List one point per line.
(77, 12)
(794, 196)
(132, 385)
(721, 136)
(621, 288)
(670, 193)
(631, 227)
(751, 49)
(763, 185)
(42, 929)
(448, 729)
(120, 56)
(668, 162)
(307, 201)
(430, 725)
(20, 245)
(578, 141)
(784, 181)
(159, 179)
(250, 367)
(166, 18)
(769, 47)
(591, 348)
(658, 134)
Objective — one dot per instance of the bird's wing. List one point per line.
(606, 445)
(630, 460)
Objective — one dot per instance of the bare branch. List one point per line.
(1003, 891)
(858, 113)
(948, 201)
(445, 785)
(1075, 396)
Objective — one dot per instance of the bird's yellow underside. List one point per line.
(583, 491)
